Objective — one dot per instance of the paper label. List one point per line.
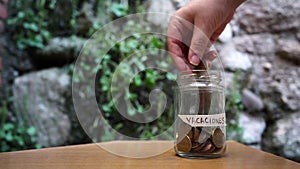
(204, 120)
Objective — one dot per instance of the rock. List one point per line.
(227, 34)
(251, 101)
(180, 3)
(289, 50)
(229, 78)
(257, 44)
(298, 35)
(267, 66)
(233, 59)
(283, 137)
(258, 16)
(283, 89)
(165, 6)
(253, 128)
(58, 52)
(86, 17)
(1, 26)
(40, 97)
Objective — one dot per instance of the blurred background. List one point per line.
(40, 40)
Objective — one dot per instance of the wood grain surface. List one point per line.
(88, 156)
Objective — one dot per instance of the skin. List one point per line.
(194, 27)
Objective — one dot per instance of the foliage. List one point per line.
(15, 135)
(141, 85)
(234, 107)
(137, 52)
(32, 21)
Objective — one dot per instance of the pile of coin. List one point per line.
(200, 140)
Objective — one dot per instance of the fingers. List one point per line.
(200, 42)
(209, 57)
(176, 40)
(176, 52)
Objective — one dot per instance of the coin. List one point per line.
(184, 129)
(199, 148)
(208, 148)
(218, 137)
(195, 133)
(202, 137)
(184, 145)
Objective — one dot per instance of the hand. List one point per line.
(194, 27)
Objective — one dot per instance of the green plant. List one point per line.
(15, 135)
(119, 10)
(33, 22)
(234, 107)
(30, 23)
(128, 57)
(141, 85)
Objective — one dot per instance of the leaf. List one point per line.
(52, 4)
(31, 131)
(119, 9)
(140, 109)
(8, 126)
(131, 112)
(171, 76)
(132, 43)
(156, 42)
(21, 14)
(137, 80)
(9, 136)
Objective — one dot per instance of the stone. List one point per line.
(253, 128)
(1, 65)
(165, 7)
(59, 51)
(227, 34)
(258, 16)
(1, 27)
(40, 97)
(289, 50)
(267, 66)
(257, 44)
(234, 60)
(3, 12)
(229, 78)
(284, 89)
(251, 101)
(86, 18)
(180, 3)
(283, 138)
(298, 35)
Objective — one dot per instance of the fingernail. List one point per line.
(195, 60)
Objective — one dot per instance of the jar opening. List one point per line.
(199, 76)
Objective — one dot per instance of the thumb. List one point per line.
(199, 44)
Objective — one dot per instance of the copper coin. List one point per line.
(184, 145)
(184, 129)
(218, 138)
(202, 137)
(199, 148)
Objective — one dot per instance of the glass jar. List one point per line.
(200, 124)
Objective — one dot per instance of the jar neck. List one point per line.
(200, 77)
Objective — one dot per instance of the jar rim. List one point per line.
(200, 75)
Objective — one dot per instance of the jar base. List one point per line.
(201, 155)
(197, 155)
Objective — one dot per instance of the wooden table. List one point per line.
(92, 156)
